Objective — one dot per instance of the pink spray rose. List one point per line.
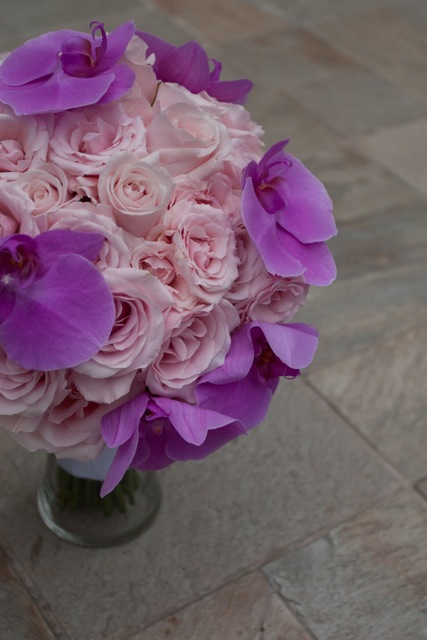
(81, 216)
(23, 141)
(29, 393)
(189, 140)
(137, 190)
(84, 140)
(199, 344)
(205, 248)
(136, 337)
(46, 185)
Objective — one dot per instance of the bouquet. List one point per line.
(152, 253)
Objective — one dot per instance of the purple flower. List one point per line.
(152, 432)
(56, 310)
(288, 215)
(260, 353)
(188, 66)
(66, 69)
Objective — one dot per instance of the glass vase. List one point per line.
(71, 506)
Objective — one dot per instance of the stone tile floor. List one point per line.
(315, 526)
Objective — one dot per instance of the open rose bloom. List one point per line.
(153, 254)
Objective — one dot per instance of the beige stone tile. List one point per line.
(403, 149)
(358, 312)
(364, 580)
(384, 42)
(387, 239)
(247, 609)
(219, 21)
(145, 17)
(26, 16)
(19, 618)
(413, 11)
(358, 186)
(291, 477)
(288, 57)
(357, 103)
(382, 392)
(422, 487)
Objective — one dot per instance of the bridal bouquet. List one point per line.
(152, 253)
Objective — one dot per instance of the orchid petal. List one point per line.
(262, 228)
(58, 93)
(308, 215)
(246, 400)
(56, 242)
(117, 41)
(124, 79)
(178, 449)
(317, 259)
(62, 319)
(118, 425)
(188, 66)
(36, 58)
(237, 363)
(294, 344)
(235, 91)
(191, 422)
(121, 463)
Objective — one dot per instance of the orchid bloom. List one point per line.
(151, 433)
(66, 69)
(56, 309)
(288, 215)
(260, 353)
(188, 65)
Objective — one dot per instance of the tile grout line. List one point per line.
(361, 438)
(40, 603)
(299, 619)
(294, 546)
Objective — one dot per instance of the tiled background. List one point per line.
(315, 526)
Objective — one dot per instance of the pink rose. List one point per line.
(16, 213)
(259, 296)
(138, 191)
(205, 248)
(71, 428)
(84, 139)
(78, 435)
(137, 334)
(159, 259)
(217, 190)
(29, 393)
(245, 135)
(46, 185)
(81, 216)
(198, 345)
(23, 140)
(189, 140)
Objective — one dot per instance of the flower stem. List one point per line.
(81, 493)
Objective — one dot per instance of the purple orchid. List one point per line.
(188, 65)
(288, 215)
(151, 433)
(66, 69)
(260, 353)
(56, 309)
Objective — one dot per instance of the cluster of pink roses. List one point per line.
(160, 172)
